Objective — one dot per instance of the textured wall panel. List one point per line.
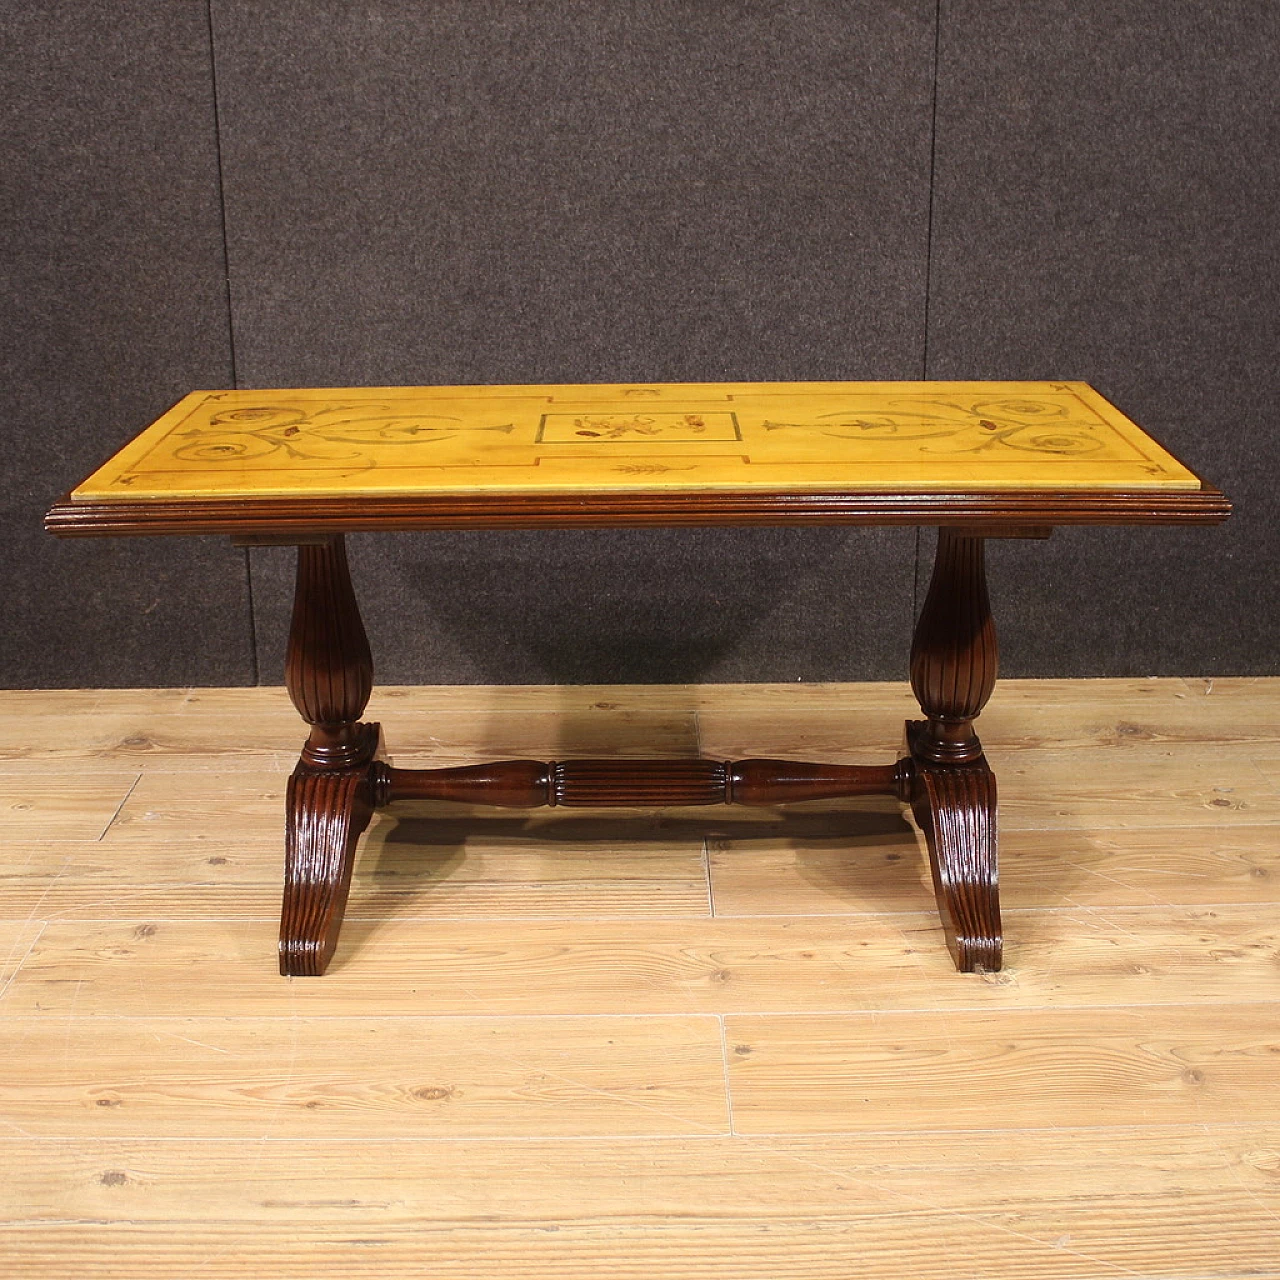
(1107, 207)
(489, 192)
(114, 305)
(618, 605)
(495, 192)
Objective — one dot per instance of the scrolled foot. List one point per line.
(955, 806)
(325, 814)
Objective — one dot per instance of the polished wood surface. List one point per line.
(979, 459)
(609, 783)
(305, 461)
(329, 676)
(545, 1035)
(328, 668)
(325, 812)
(298, 519)
(337, 784)
(900, 437)
(955, 807)
(954, 654)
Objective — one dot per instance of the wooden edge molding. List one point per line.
(285, 518)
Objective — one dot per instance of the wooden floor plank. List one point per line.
(43, 702)
(167, 809)
(698, 1247)
(1118, 957)
(1058, 715)
(241, 728)
(17, 937)
(516, 1065)
(679, 699)
(262, 739)
(1022, 715)
(1143, 787)
(613, 897)
(1269, 766)
(204, 844)
(820, 859)
(1006, 1069)
(800, 865)
(292, 1180)
(427, 739)
(1064, 1203)
(269, 738)
(47, 807)
(296, 1076)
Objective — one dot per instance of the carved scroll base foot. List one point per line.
(328, 808)
(325, 812)
(955, 806)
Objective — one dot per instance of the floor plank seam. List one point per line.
(708, 1135)
(728, 1086)
(706, 871)
(1010, 1011)
(1177, 908)
(26, 955)
(111, 821)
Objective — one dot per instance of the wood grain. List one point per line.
(200, 845)
(231, 729)
(281, 517)
(954, 656)
(1069, 1137)
(53, 808)
(165, 810)
(1015, 1069)
(17, 937)
(410, 864)
(505, 443)
(802, 865)
(1066, 1203)
(280, 1077)
(1146, 788)
(1120, 958)
(262, 740)
(1269, 767)
(696, 1246)
(1022, 715)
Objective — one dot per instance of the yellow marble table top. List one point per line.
(713, 437)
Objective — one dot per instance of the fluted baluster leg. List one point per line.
(329, 675)
(328, 669)
(954, 656)
(954, 660)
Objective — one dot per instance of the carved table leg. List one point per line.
(338, 783)
(953, 791)
(325, 814)
(329, 675)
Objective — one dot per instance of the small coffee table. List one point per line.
(306, 466)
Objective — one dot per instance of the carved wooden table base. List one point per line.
(339, 780)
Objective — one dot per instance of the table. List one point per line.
(306, 466)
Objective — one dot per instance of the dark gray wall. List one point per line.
(114, 305)
(1107, 207)
(484, 191)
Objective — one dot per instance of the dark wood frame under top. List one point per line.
(279, 516)
(941, 772)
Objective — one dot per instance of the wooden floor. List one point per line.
(705, 1043)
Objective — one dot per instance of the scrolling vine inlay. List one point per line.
(932, 437)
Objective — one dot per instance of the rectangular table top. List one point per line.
(886, 436)
(332, 459)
